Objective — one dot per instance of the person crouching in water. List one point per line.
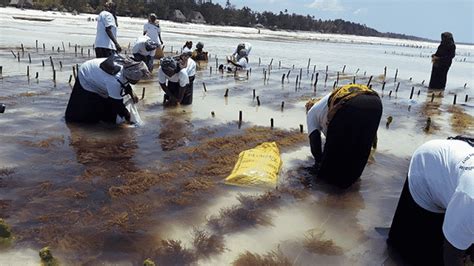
(199, 54)
(434, 219)
(144, 50)
(185, 62)
(174, 81)
(241, 62)
(100, 88)
(349, 118)
(187, 48)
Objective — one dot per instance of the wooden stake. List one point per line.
(316, 81)
(396, 74)
(411, 93)
(44, 47)
(54, 75)
(343, 69)
(240, 118)
(282, 78)
(29, 58)
(18, 56)
(213, 114)
(432, 97)
(226, 93)
(282, 105)
(42, 63)
(370, 80)
(253, 94)
(28, 71)
(383, 85)
(301, 128)
(466, 98)
(60, 65)
(455, 97)
(37, 75)
(70, 79)
(259, 61)
(51, 61)
(398, 85)
(390, 94)
(204, 86)
(258, 100)
(36, 46)
(337, 79)
(309, 62)
(64, 48)
(271, 123)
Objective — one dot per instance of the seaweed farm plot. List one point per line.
(118, 195)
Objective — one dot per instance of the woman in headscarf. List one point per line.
(349, 118)
(199, 54)
(100, 87)
(187, 48)
(176, 89)
(442, 61)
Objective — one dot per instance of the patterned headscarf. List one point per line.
(135, 71)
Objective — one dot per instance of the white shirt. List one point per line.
(186, 50)
(94, 79)
(247, 46)
(140, 48)
(317, 117)
(441, 179)
(152, 31)
(181, 77)
(243, 63)
(102, 40)
(191, 67)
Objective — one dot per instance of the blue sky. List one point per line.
(423, 18)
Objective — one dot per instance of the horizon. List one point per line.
(435, 16)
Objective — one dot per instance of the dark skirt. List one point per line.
(416, 234)
(439, 74)
(103, 52)
(188, 91)
(349, 139)
(88, 107)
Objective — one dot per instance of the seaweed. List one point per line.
(315, 242)
(272, 258)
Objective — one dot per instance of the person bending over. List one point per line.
(98, 92)
(434, 220)
(349, 118)
(185, 62)
(174, 80)
(144, 50)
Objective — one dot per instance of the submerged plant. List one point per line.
(207, 244)
(315, 242)
(272, 258)
(148, 262)
(47, 258)
(5, 231)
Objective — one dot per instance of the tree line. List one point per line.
(215, 14)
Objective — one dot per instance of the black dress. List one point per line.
(443, 58)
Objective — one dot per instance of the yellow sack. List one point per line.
(257, 167)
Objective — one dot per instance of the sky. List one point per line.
(422, 18)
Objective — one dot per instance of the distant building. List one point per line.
(178, 16)
(196, 17)
(21, 3)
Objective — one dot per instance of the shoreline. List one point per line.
(238, 32)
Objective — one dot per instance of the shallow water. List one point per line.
(101, 194)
